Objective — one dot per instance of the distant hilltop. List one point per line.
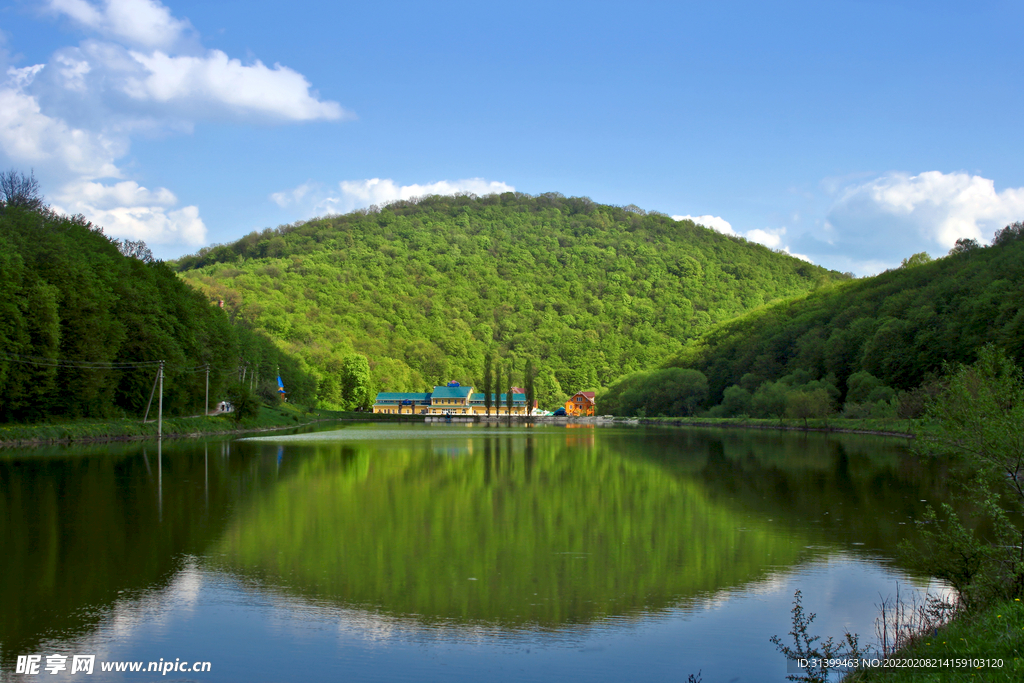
(423, 289)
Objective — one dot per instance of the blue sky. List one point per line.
(851, 133)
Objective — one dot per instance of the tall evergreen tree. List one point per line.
(508, 396)
(529, 387)
(487, 382)
(497, 387)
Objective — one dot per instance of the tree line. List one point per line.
(86, 319)
(873, 347)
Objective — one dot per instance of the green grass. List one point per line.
(883, 425)
(996, 632)
(82, 430)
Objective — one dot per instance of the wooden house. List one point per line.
(581, 404)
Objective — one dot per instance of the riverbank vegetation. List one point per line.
(978, 416)
(993, 633)
(266, 417)
(97, 429)
(86, 321)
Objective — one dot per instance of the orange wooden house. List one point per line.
(582, 403)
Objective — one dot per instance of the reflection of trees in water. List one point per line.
(82, 527)
(524, 530)
(618, 522)
(854, 490)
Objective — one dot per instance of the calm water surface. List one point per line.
(452, 552)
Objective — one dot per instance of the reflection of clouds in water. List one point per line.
(827, 584)
(272, 618)
(296, 615)
(154, 610)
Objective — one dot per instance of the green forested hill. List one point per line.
(863, 340)
(425, 288)
(82, 325)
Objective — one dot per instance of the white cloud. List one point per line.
(154, 59)
(769, 237)
(937, 208)
(126, 193)
(73, 71)
(872, 225)
(30, 137)
(716, 223)
(357, 194)
(216, 80)
(19, 78)
(138, 22)
(802, 257)
(143, 69)
(127, 209)
(288, 197)
(377, 191)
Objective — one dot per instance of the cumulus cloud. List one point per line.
(72, 71)
(377, 191)
(140, 68)
(30, 137)
(357, 194)
(769, 237)
(137, 22)
(716, 223)
(127, 209)
(216, 80)
(934, 207)
(875, 224)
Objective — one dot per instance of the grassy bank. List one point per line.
(885, 426)
(996, 632)
(79, 431)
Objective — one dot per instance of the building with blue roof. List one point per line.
(449, 400)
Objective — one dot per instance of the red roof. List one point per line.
(586, 394)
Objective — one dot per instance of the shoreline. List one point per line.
(830, 428)
(704, 423)
(121, 431)
(274, 420)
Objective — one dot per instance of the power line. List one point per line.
(42, 361)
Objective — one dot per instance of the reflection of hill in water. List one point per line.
(595, 522)
(511, 531)
(83, 528)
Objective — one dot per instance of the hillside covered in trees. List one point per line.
(85, 319)
(424, 288)
(874, 347)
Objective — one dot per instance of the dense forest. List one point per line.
(423, 289)
(873, 347)
(85, 321)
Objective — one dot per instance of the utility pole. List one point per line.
(206, 404)
(152, 392)
(160, 414)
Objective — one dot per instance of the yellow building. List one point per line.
(450, 400)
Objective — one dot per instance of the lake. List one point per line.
(452, 552)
